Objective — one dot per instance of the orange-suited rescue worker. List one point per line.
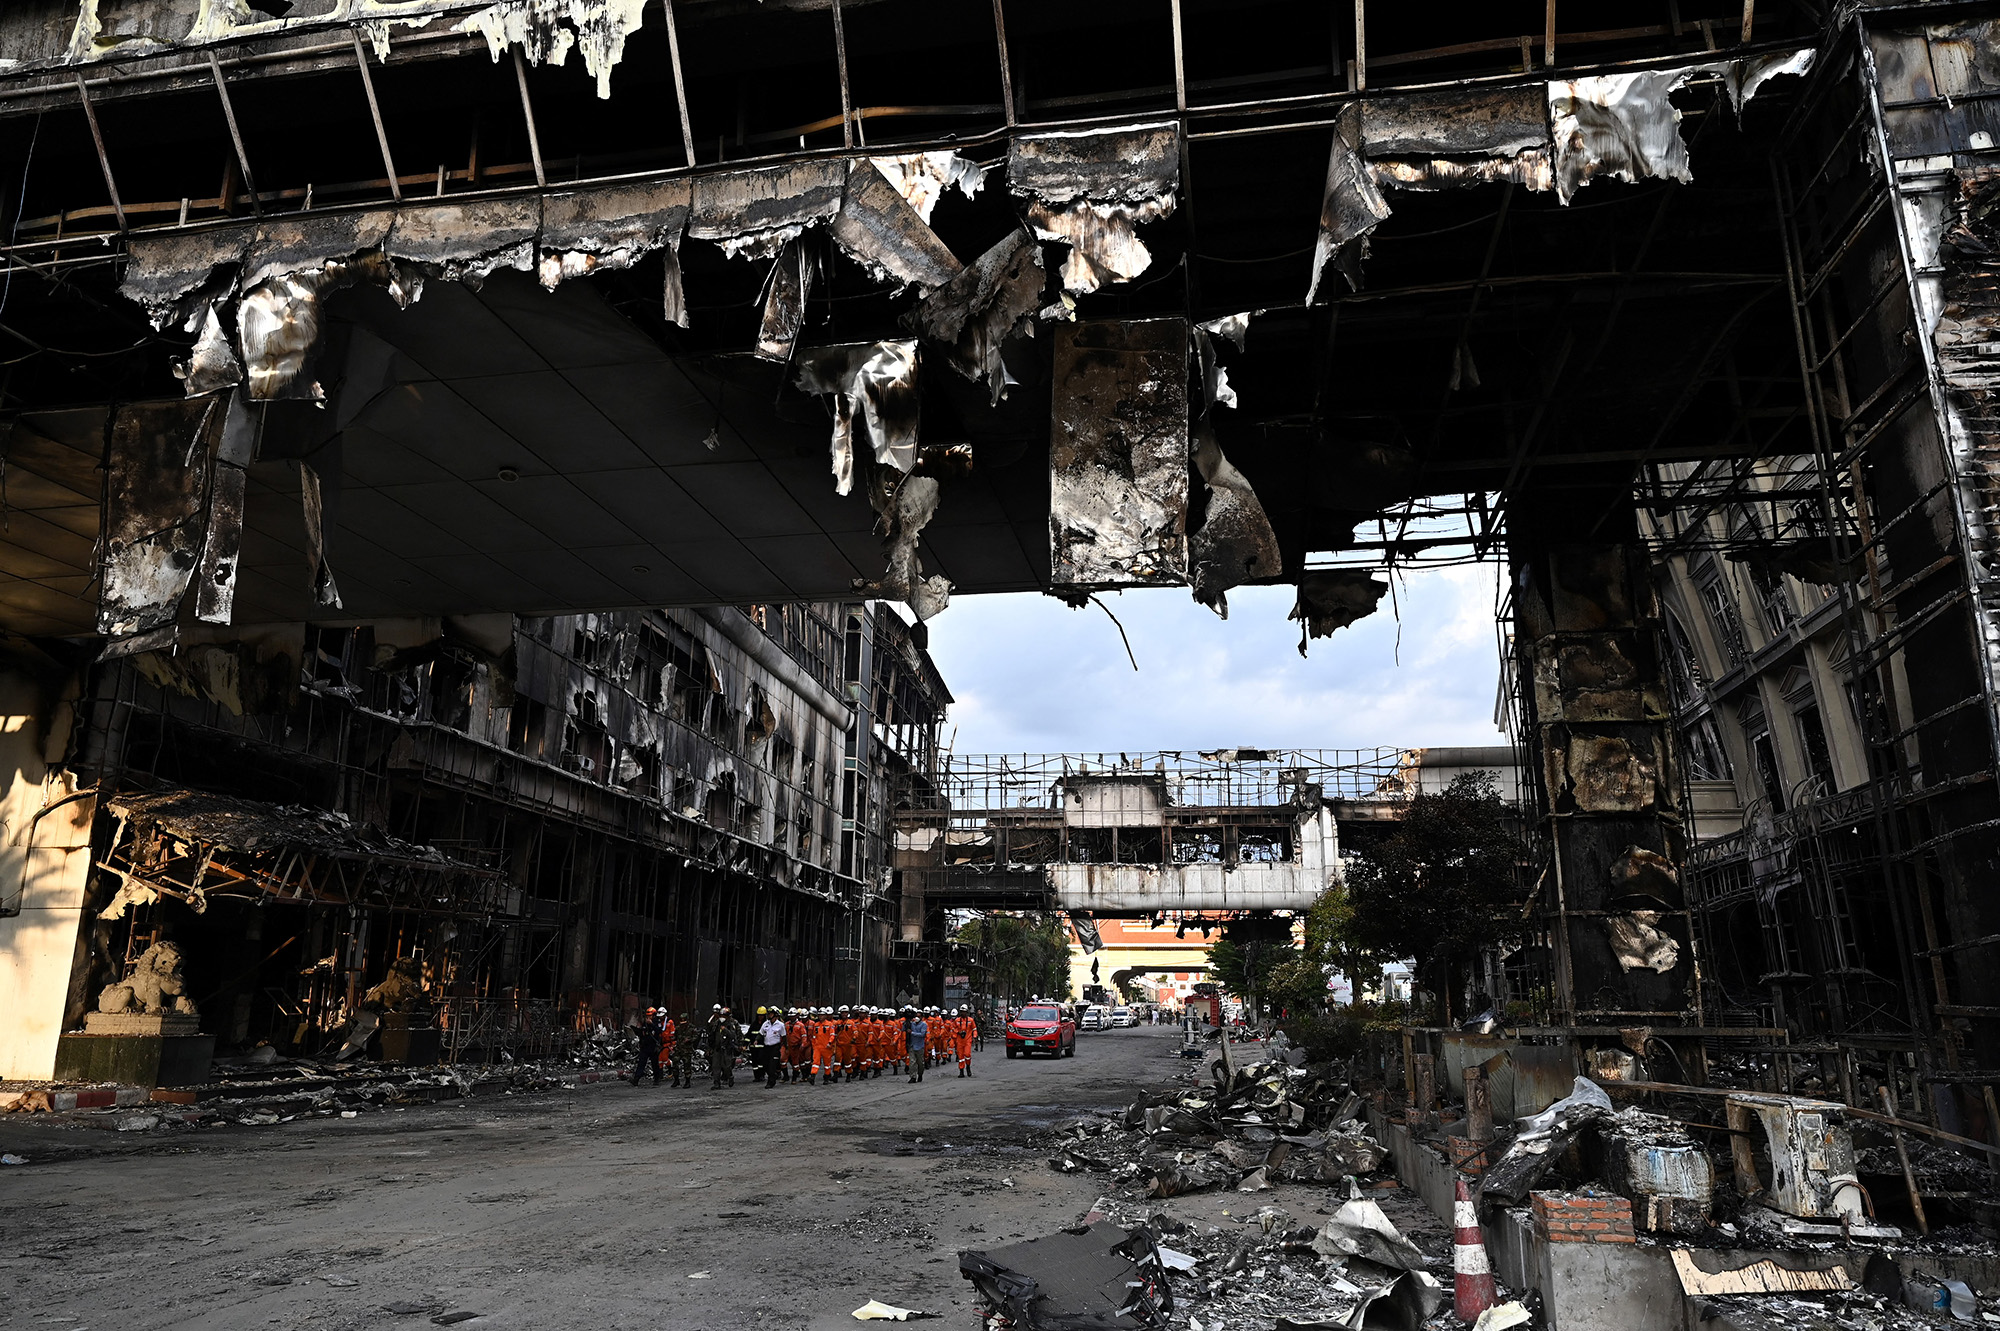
(893, 1040)
(772, 1037)
(940, 1035)
(822, 1038)
(667, 1033)
(916, 1032)
(878, 1042)
(798, 1046)
(844, 1035)
(968, 1027)
(649, 1048)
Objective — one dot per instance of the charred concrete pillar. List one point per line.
(1587, 649)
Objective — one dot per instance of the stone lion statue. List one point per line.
(155, 985)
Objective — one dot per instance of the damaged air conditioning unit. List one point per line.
(1808, 1173)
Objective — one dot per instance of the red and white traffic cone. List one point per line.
(1472, 1274)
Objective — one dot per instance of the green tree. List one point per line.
(1433, 889)
(1246, 968)
(1022, 955)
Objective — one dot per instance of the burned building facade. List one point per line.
(551, 821)
(360, 311)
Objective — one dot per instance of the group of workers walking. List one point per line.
(808, 1045)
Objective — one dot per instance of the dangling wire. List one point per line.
(1120, 627)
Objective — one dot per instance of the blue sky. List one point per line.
(1033, 676)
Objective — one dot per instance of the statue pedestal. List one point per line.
(411, 1045)
(134, 1023)
(159, 1049)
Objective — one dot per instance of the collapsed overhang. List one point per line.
(193, 847)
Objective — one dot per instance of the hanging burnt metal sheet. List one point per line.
(1235, 543)
(324, 592)
(1618, 125)
(1625, 125)
(1464, 122)
(156, 480)
(212, 365)
(1118, 455)
(906, 508)
(215, 585)
(971, 317)
(878, 228)
(610, 228)
(279, 320)
(1090, 188)
(877, 380)
(1331, 599)
(786, 289)
(1350, 206)
(753, 213)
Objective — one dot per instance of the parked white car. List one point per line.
(1094, 1018)
(1123, 1016)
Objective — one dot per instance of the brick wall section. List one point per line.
(1582, 1217)
(1470, 1157)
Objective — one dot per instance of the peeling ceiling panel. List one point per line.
(291, 244)
(971, 317)
(611, 228)
(154, 489)
(1350, 207)
(880, 230)
(1492, 122)
(1118, 455)
(467, 239)
(1533, 170)
(160, 270)
(753, 213)
(1127, 164)
(1091, 188)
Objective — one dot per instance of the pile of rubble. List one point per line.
(1315, 1248)
(278, 1090)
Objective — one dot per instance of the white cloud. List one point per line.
(1031, 675)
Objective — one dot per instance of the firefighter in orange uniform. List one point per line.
(967, 1028)
(843, 1042)
(797, 1054)
(822, 1038)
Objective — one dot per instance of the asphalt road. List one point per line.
(603, 1206)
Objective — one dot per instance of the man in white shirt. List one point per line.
(773, 1032)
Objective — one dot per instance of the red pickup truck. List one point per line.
(1042, 1028)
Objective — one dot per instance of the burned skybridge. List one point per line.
(349, 312)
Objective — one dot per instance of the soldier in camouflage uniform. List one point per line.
(724, 1039)
(687, 1039)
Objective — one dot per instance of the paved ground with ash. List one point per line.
(596, 1207)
